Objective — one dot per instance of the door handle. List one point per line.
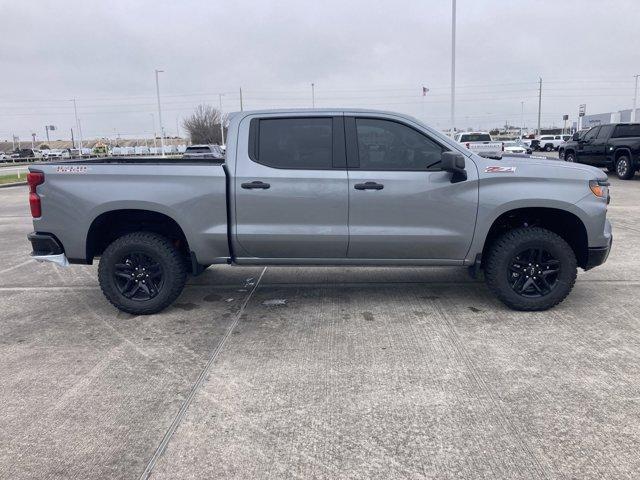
(255, 184)
(368, 186)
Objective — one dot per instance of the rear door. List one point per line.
(291, 190)
(401, 205)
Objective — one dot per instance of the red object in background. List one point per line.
(34, 179)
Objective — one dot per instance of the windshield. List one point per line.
(475, 137)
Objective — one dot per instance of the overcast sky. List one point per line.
(374, 54)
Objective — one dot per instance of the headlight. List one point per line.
(600, 188)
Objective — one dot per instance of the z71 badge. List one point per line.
(499, 169)
(71, 169)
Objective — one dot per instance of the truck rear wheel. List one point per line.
(531, 269)
(141, 273)
(624, 168)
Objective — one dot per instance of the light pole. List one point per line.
(153, 132)
(221, 119)
(635, 100)
(160, 111)
(313, 95)
(75, 111)
(521, 118)
(453, 66)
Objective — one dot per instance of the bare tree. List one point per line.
(203, 125)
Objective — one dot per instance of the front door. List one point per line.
(291, 191)
(401, 205)
(586, 146)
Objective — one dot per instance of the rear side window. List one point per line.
(388, 145)
(623, 131)
(605, 131)
(475, 137)
(295, 143)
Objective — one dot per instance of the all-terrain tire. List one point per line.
(503, 250)
(624, 168)
(148, 245)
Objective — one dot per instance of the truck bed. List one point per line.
(76, 195)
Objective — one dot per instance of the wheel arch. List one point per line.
(112, 224)
(562, 222)
(618, 152)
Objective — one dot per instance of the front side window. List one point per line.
(295, 143)
(591, 134)
(388, 145)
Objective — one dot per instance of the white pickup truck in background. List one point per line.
(479, 143)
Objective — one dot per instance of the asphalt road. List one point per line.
(319, 372)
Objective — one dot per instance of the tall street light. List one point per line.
(160, 112)
(635, 100)
(453, 66)
(221, 118)
(75, 111)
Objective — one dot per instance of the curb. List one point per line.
(7, 185)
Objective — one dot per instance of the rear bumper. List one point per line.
(47, 248)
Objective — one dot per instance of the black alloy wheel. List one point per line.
(533, 272)
(138, 276)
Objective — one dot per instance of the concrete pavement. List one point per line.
(319, 372)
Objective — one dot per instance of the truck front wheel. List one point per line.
(531, 269)
(141, 273)
(624, 168)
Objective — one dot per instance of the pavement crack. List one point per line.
(198, 383)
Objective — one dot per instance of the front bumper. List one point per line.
(47, 248)
(598, 255)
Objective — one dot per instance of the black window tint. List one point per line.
(387, 145)
(295, 143)
(632, 130)
(475, 137)
(605, 131)
(592, 133)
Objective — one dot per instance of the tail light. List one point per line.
(33, 180)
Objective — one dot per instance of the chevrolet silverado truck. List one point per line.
(323, 187)
(615, 146)
(480, 143)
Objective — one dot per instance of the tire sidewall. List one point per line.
(557, 247)
(570, 157)
(628, 171)
(120, 248)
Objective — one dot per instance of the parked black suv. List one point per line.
(615, 146)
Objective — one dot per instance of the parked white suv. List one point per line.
(552, 142)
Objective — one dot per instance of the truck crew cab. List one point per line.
(615, 146)
(323, 187)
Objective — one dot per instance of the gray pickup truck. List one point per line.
(323, 187)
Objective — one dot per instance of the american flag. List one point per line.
(424, 91)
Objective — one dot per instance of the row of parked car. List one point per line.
(34, 154)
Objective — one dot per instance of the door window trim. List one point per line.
(338, 154)
(353, 155)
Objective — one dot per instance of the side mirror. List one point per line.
(575, 137)
(454, 163)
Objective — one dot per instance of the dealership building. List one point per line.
(589, 121)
